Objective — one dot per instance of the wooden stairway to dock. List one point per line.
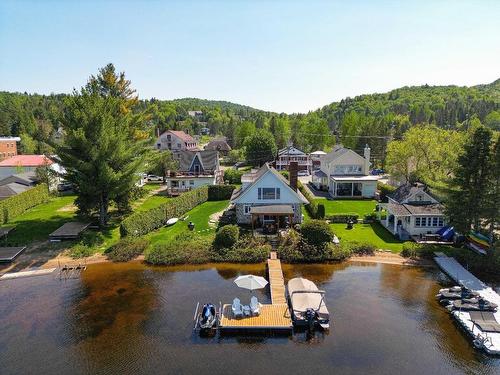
(276, 280)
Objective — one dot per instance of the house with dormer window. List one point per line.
(345, 174)
(413, 211)
(267, 199)
(196, 168)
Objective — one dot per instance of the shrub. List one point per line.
(321, 211)
(338, 252)
(232, 176)
(289, 248)
(317, 233)
(226, 237)
(312, 207)
(410, 250)
(248, 254)
(81, 251)
(362, 248)
(127, 249)
(342, 218)
(140, 223)
(92, 239)
(186, 248)
(220, 192)
(18, 204)
(384, 190)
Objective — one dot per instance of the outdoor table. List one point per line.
(246, 310)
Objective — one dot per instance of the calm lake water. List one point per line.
(134, 319)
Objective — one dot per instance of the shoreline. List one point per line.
(61, 259)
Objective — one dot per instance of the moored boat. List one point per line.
(307, 304)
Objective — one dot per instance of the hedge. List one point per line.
(342, 218)
(18, 204)
(384, 190)
(140, 223)
(312, 207)
(220, 192)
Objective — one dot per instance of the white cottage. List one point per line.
(196, 168)
(346, 174)
(266, 198)
(412, 211)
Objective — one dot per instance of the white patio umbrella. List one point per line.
(251, 282)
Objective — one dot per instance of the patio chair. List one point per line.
(236, 308)
(254, 306)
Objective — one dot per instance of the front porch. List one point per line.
(394, 221)
(268, 220)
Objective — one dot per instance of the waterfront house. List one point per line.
(292, 154)
(412, 211)
(345, 174)
(315, 158)
(176, 140)
(220, 145)
(196, 168)
(267, 199)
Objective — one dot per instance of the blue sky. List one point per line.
(285, 56)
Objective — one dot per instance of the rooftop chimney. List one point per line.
(366, 154)
(292, 172)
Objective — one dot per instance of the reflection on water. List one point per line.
(134, 319)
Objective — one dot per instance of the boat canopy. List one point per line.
(304, 294)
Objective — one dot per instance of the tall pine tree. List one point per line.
(468, 198)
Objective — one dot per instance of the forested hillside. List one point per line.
(372, 119)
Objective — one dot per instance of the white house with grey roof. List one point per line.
(267, 198)
(413, 211)
(196, 168)
(345, 174)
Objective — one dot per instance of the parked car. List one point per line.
(303, 173)
(65, 186)
(377, 172)
(239, 164)
(154, 178)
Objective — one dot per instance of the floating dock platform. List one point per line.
(8, 254)
(29, 273)
(490, 340)
(274, 317)
(68, 231)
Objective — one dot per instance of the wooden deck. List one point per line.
(69, 231)
(272, 317)
(276, 280)
(8, 254)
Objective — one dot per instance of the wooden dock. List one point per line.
(275, 317)
(276, 280)
(272, 317)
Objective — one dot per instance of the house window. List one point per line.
(158, 145)
(196, 169)
(179, 145)
(268, 193)
(440, 222)
(169, 137)
(417, 221)
(434, 221)
(246, 209)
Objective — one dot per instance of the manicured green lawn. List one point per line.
(199, 215)
(373, 233)
(359, 207)
(38, 222)
(151, 202)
